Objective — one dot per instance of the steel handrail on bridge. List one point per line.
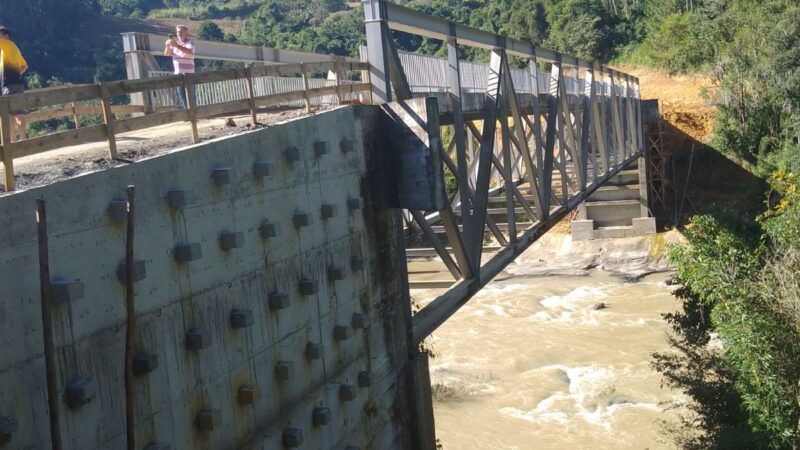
(584, 138)
(426, 73)
(103, 93)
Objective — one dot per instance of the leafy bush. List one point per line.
(729, 268)
(722, 248)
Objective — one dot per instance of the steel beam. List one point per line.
(590, 127)
(511, 217)
(521, 140)
(437, 244)
(471, 198)
(443, 307)
(485, 152)
(377, 53)
(415, 22)
(459, 137)
(588, 112)
(553, 106)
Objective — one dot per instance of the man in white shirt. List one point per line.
(181, 48)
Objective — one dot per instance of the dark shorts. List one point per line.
(12, 89)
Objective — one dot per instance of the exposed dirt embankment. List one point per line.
(696, 122)
(684, 99)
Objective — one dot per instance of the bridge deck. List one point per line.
(70, 161)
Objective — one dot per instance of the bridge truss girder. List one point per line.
(585, 138)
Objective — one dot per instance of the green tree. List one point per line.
(581, 27)
(759, 81)
(340, 34)
(52, 45)
(210, 31)
(506, 17)
(722, 269)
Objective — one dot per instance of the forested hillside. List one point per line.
(45, 31)
(739, 271)
(592, 29)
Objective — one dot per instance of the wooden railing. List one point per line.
(104, 92)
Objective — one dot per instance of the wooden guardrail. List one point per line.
(68, 95)
(75, 111)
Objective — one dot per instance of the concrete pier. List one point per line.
(617, 209)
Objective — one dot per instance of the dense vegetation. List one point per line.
(738, 337)
(52, 45)
(739, 333)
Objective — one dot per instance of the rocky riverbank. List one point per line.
(556, 254)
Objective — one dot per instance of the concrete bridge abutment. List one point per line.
(621, 207)
(271, 300)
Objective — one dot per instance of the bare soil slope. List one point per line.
(684, 99)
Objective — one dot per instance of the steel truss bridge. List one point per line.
(525, 149)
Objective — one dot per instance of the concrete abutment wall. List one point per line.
(271, 298)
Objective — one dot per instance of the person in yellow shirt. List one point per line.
(12, 67)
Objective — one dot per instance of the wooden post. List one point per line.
(305, 87)
(130, 328)
(191, 107)
(5, 142)
(47, 325)
(252, 96)
(337, 73)
(366, 76)
(369, 80)
(75, 116)
(108, 119)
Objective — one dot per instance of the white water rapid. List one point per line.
(554, 362)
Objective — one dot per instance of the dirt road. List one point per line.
(67, 162)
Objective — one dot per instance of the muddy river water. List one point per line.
(554, 362)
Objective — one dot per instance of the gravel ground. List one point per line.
(68, 162)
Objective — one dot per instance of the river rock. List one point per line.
(631, 258)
